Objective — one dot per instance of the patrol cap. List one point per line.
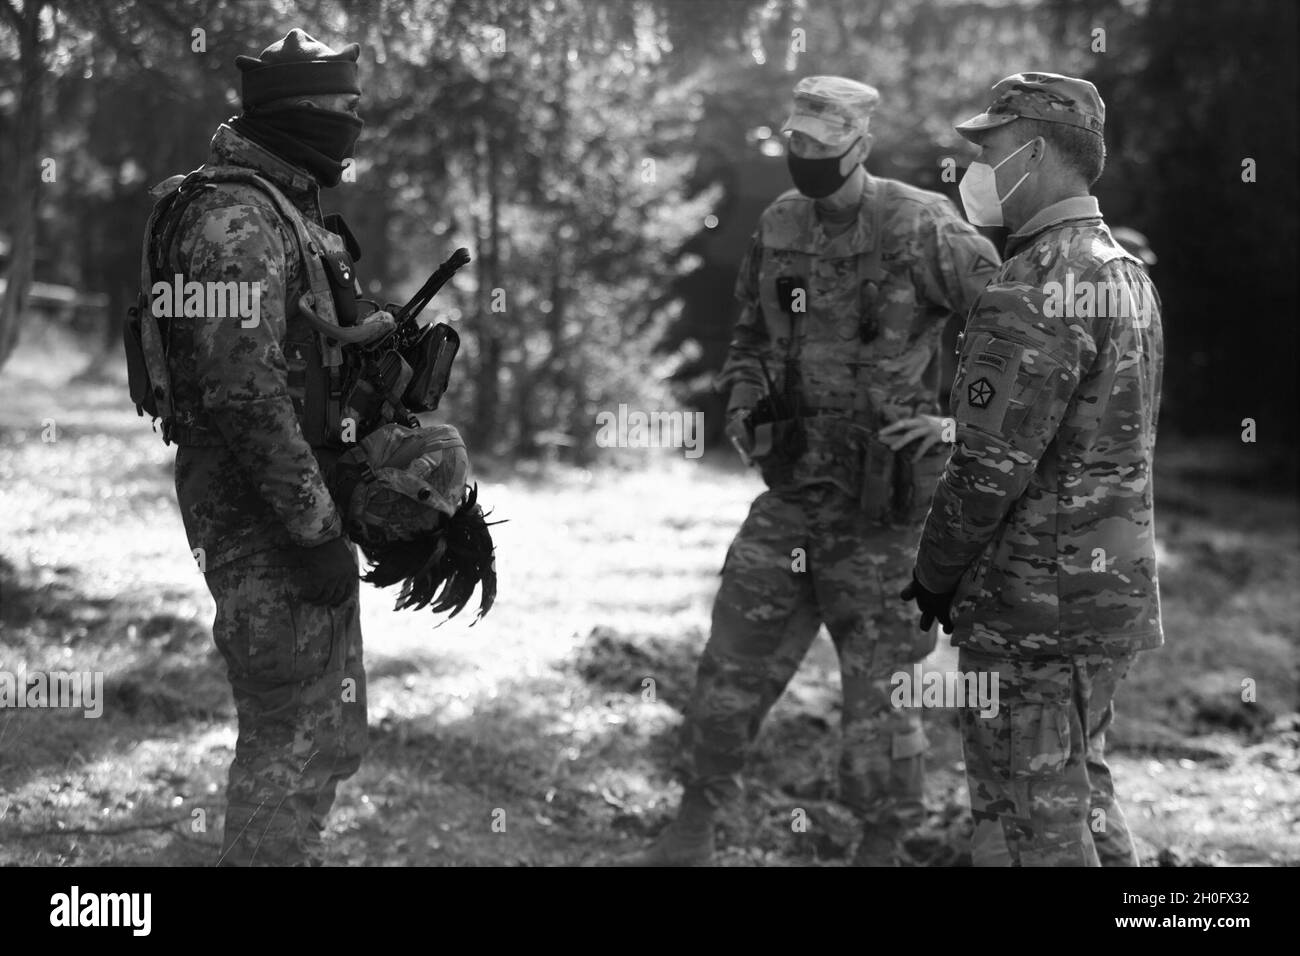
(297, 65)
(831, 109)
(1042, 96)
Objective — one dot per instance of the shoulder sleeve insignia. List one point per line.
(980, 392)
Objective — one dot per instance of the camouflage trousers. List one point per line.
(1040, 791)
(801, 559)
(300, 692)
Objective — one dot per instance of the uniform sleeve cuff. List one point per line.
(933, 583)
(744, 395)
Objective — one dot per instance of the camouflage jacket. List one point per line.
(254, 483)
(1043, 518)
(877, 298)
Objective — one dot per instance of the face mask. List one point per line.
(316, 139)
(818, 178)
(979, 192)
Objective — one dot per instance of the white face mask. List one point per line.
(979, 192)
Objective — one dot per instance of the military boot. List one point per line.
(687, 841)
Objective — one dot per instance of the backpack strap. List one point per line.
(871, 269)
(172, 195)
(311, 255)
(309, 251)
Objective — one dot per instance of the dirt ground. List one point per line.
(536, 716)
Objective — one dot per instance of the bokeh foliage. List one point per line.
(577, 148)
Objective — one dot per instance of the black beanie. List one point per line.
(298, 65)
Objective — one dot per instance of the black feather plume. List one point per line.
(442, 567)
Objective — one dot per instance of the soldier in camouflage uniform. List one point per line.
(258, 429)
(1039, 548)
(844, 293)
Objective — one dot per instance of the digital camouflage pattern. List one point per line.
(251, 488)
(1041, 96)
(1041, 792)
(1043, 519)
(300, 692)
(907, 263)
(252, 481)
(831, 109)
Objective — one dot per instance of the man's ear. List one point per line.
(867, 141)
(1038, 151)
(857, 154)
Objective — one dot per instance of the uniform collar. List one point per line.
(230, 148)
(861, 231)
(1075, 207)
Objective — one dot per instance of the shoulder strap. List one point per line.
(309, 251)
(871, 269)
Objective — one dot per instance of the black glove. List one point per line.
(933, 606)
(328, 571)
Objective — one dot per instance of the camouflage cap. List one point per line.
(831, 109)
(1041, 96)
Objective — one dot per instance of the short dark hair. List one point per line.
(1080, 150)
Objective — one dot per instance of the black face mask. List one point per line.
(818, 178)
(318, 140)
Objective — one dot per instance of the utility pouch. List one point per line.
(877, 479)
(343, 285)
(788, 443)
(792, 294)
(336, 224)
(431, 358)
(137, 370)
(914, 484)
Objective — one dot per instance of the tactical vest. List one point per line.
(317, 365)
(852, 317)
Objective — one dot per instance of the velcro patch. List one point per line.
(980, 392)
(989, 382)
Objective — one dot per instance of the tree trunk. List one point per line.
(28, 134)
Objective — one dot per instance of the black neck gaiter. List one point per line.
(315, 139)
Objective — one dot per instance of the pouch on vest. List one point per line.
(137, 371)
(343, 284)
(877, 495)
(915, 482)
(148, 376)
(308, 379)
(792, 294)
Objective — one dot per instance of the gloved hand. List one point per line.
(328, 571)
(933, 606)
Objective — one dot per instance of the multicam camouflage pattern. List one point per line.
(1040, 790)
(907, 262)
(1043, 519)
(891, 280)
(250, 481)
(1041, 96)
(250, 487)
(765, 617)
(831, 109)
(300, 691)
